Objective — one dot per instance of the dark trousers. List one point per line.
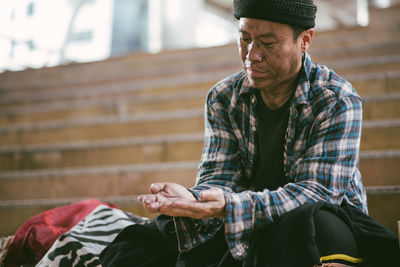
(299, 238)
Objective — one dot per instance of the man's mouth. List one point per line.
(253, 70)
(255, 73)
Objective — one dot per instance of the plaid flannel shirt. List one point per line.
(321, 155)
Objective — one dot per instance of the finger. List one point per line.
(156, 188)
(147, 199)
(148, 202)
(152, 202)
(153, 207)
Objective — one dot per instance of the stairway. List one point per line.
(109, 129)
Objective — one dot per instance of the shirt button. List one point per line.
(253, 100)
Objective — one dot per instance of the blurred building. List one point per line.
(39, 33)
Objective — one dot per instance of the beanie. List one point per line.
(299, 13)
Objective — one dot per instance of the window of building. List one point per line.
(85, 36)
(13, 44)
(12, 16)
(30, 10)
(31, 45)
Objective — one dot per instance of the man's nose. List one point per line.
(253, 53)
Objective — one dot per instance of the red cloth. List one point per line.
(35, 237)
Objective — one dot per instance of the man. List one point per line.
(281, 135)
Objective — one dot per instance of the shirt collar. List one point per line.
(245, 87)
(303, 86)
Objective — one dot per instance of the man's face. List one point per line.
(271, 58)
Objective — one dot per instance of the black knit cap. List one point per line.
(299, 13)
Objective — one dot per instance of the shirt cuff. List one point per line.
(236, 233)
(194, 232)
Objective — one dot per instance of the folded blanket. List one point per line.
(34, 238)
(82, 244)
(4, 243)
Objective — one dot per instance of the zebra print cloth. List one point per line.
(82, 245)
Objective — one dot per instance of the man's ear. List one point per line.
(306, 39)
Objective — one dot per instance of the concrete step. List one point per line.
(384, 23)
(133, 86)
(383, 106)
(105, 152)
(378, 168)
(184, 121)
(366, 64)
(325, 55)
(153, 99)
(375, 83)
(356, 37)
(174, 81)
(375, 136)
(384, 208)
(381, 207)
(139, 84)
(168, 122)
(118, 180)
(118, 107)
(344, 37)
(139, 65)
(382, 27)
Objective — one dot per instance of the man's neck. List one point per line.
(275, 98)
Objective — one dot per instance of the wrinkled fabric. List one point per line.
(82, 244)
(147, 245)
(34, 238)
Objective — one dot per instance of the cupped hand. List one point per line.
(175, 200)
(164, 194)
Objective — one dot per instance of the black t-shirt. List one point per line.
(271, 130)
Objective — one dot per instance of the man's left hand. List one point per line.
(211, 204)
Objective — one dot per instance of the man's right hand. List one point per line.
(175, 200)
(165, 193)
